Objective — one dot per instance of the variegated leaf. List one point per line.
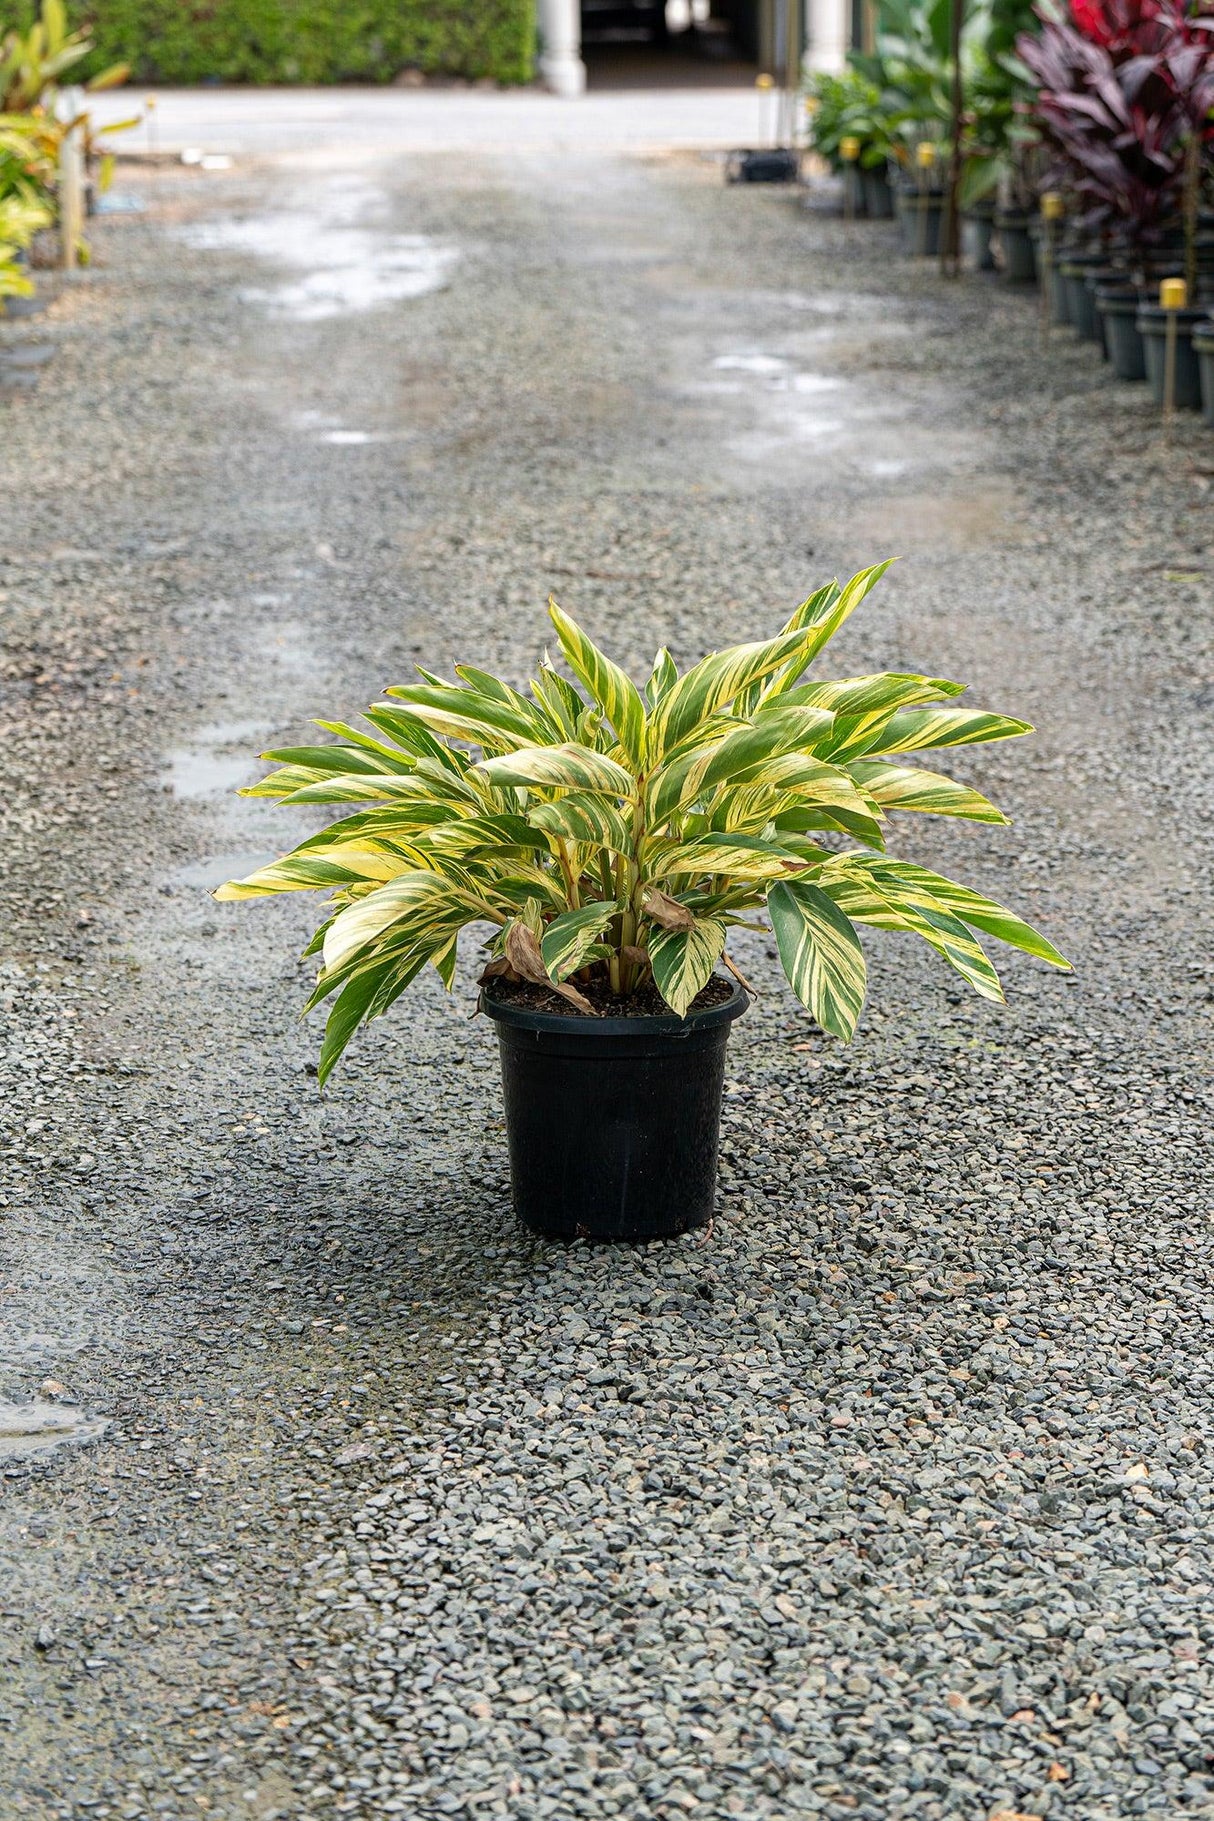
(820, 954)
(566, 767)
(362, 995)
(904, 787)
(614, 691)
(738, 856)
(593, 821)
(923, 729)
(309, 872)
(972, 908)
(683, 960)
(426, 906)
(568, 940)
(471, 714)
(712, 683)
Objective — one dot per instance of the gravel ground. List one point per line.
(887, 1497)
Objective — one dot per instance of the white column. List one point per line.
(829, 34)
(561, 66)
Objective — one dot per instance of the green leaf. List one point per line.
(325, 759)
(470, 714)
(920, 885)
(713, 682)
(614, 691)
(298, 872)
(739, 856)
(923, 729)
(355, 1002)
(567, 941)
(820, 953)
(903, 787)
(424, 906)
(683, 960)
(567, 767)
(820, 617)
(662, 677)
(592, 821)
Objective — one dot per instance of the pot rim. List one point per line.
(525, 1017)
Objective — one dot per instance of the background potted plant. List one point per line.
(1124, 101)
(610, 837)
(848, 106)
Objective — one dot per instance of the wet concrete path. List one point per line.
(256, 485)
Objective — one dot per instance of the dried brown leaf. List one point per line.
(666, 911)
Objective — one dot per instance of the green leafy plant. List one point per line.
(306, 41)
(847, 106)
(34, 63)
(615, 833)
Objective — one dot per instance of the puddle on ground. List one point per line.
(208, 768)
(217, 869)
(346, 261)
(27, 1429)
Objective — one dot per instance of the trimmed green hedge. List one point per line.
(302, 41)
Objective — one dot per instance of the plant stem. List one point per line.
(571, 885)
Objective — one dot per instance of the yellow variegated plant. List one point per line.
(610, 832)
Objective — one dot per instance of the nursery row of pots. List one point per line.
(1093, 290)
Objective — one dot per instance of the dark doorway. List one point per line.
(670, 43)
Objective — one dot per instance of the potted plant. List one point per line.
(609, 838)
(848, 107)
(1124, 101)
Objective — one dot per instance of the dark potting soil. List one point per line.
(643, 1002)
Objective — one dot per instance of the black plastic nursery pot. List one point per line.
(920, 213)
(977, 227)
(1080, 301)
(878, 197)
(1118, 306)
(1203, 348)
(1152, 322)
(1016, 245)
(613, 1124)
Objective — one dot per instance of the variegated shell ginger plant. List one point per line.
(615, 834)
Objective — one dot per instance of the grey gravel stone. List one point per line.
(887, 1497)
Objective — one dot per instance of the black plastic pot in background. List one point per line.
(1203, 348)
(1118, 307)
(1080, 302)
(613, 1124)
(920, 213)
(977, 226)
(1015, 243)
(853, 191)
(1152, 322)
(878, 197)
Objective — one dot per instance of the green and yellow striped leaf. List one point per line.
(820, 954)
(568, 940)
(298, 872)
(712, 683)
(904, 787)
(358, 1000)
(662, 677)
(614, 691)
(426, 907)
(819, 618)
(739, 856)
(919, 885)
(592, 821)
(879, 902)
(566, 767)
(923, 729)
(683, 960)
